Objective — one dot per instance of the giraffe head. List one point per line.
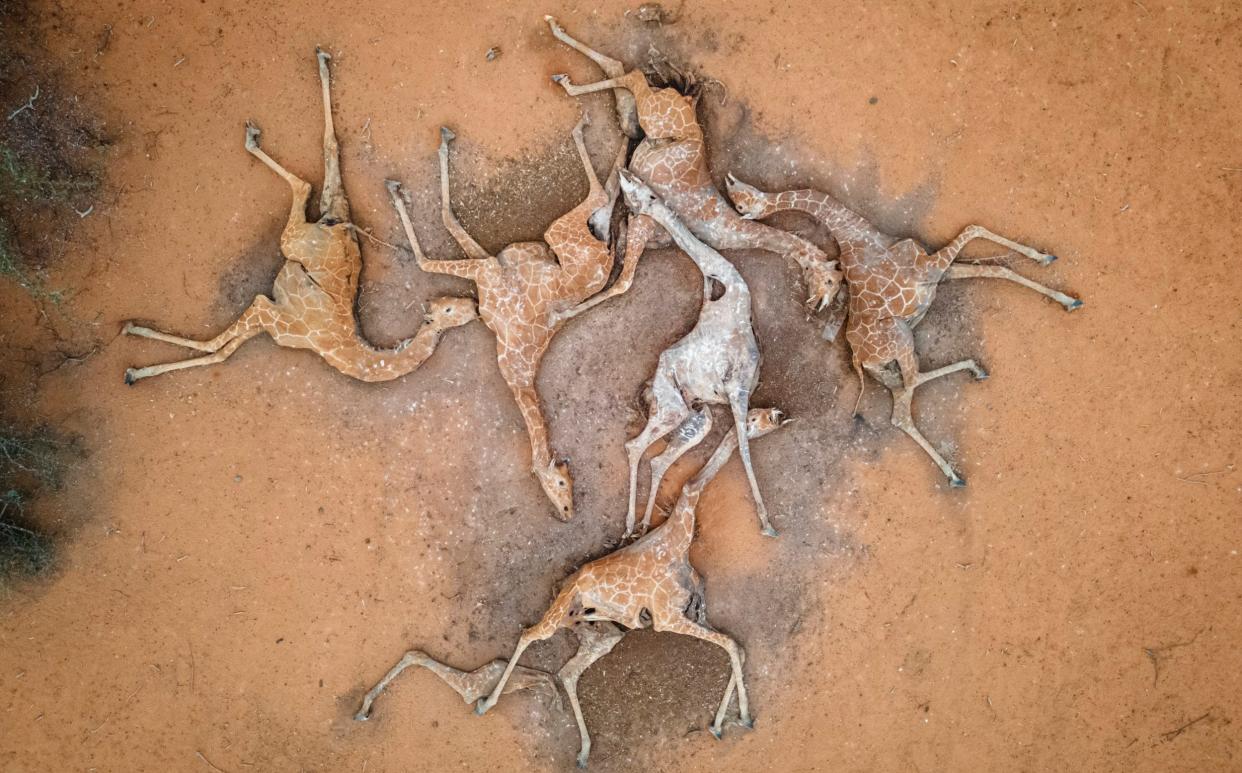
(750, 202)
(558, 484)
(640, 198)
(761, 421)
(447, 311)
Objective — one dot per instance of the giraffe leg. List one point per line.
(301, 188)
(949, 253)
(543, 630)
(737, 657)
(642, 230)
(687, 436)
(594, 188)
(970, 365)
(247, 326)
(960, 271)
(595, 640)
(467, 269)
(332, 202)
(574, 90)
(467, 242)
(470, 685)
(627, 107)
(601, 219)
(739, 403)
(669, 411)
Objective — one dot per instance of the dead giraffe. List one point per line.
(672, 159)
(470, 685)
(649, 582)
(716, 363)
(314, 292)
(891, 283)
(525, 292)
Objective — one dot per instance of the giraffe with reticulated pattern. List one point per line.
(650, 582)
(526, 292)
(672, 159)
(716, 363)
(891, 283)
(312, 303)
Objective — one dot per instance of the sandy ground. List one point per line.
(250, 546)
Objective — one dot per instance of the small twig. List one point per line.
(178, 62)
(207, 762)
(85, 212)
(1192, 476)
(29, 103)
(1169, 736)
(367, 234)
(1232, 168)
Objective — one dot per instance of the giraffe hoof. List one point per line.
(1048, 260)
(957, 481)
(1077, 304)
(446, 134)
(748, 723)
(481, 707)
(768, 531)
(129, 377)
(361, 717)
(981, 375)
(560, 78)
(324, 56)
(716, 731)
(582, 762)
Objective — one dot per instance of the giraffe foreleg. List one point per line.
(737, 658)
(627, 107)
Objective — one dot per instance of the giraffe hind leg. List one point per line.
(688, 435)
(595, 640)
(668, 411)
(247, 326)
(333, 205)
(962, 271)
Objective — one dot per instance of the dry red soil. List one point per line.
(248, 547)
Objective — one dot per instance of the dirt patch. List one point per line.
(268, 536)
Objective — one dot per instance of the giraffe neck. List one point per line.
(532, 414)
(680, 525)
(370, 363)
(845, 224)
(710, 263)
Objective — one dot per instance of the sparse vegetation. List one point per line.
(28, 462)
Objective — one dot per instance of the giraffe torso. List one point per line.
(316, 288)
(641, 577)
(889, 283)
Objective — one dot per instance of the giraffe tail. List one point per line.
(862, 382)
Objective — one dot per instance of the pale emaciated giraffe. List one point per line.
(526, 292)
(672, 159)
(470, 685)
(312, 304)
(715, 363)
(650, 582)
(892, 282)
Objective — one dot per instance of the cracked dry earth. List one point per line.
(250, 546)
